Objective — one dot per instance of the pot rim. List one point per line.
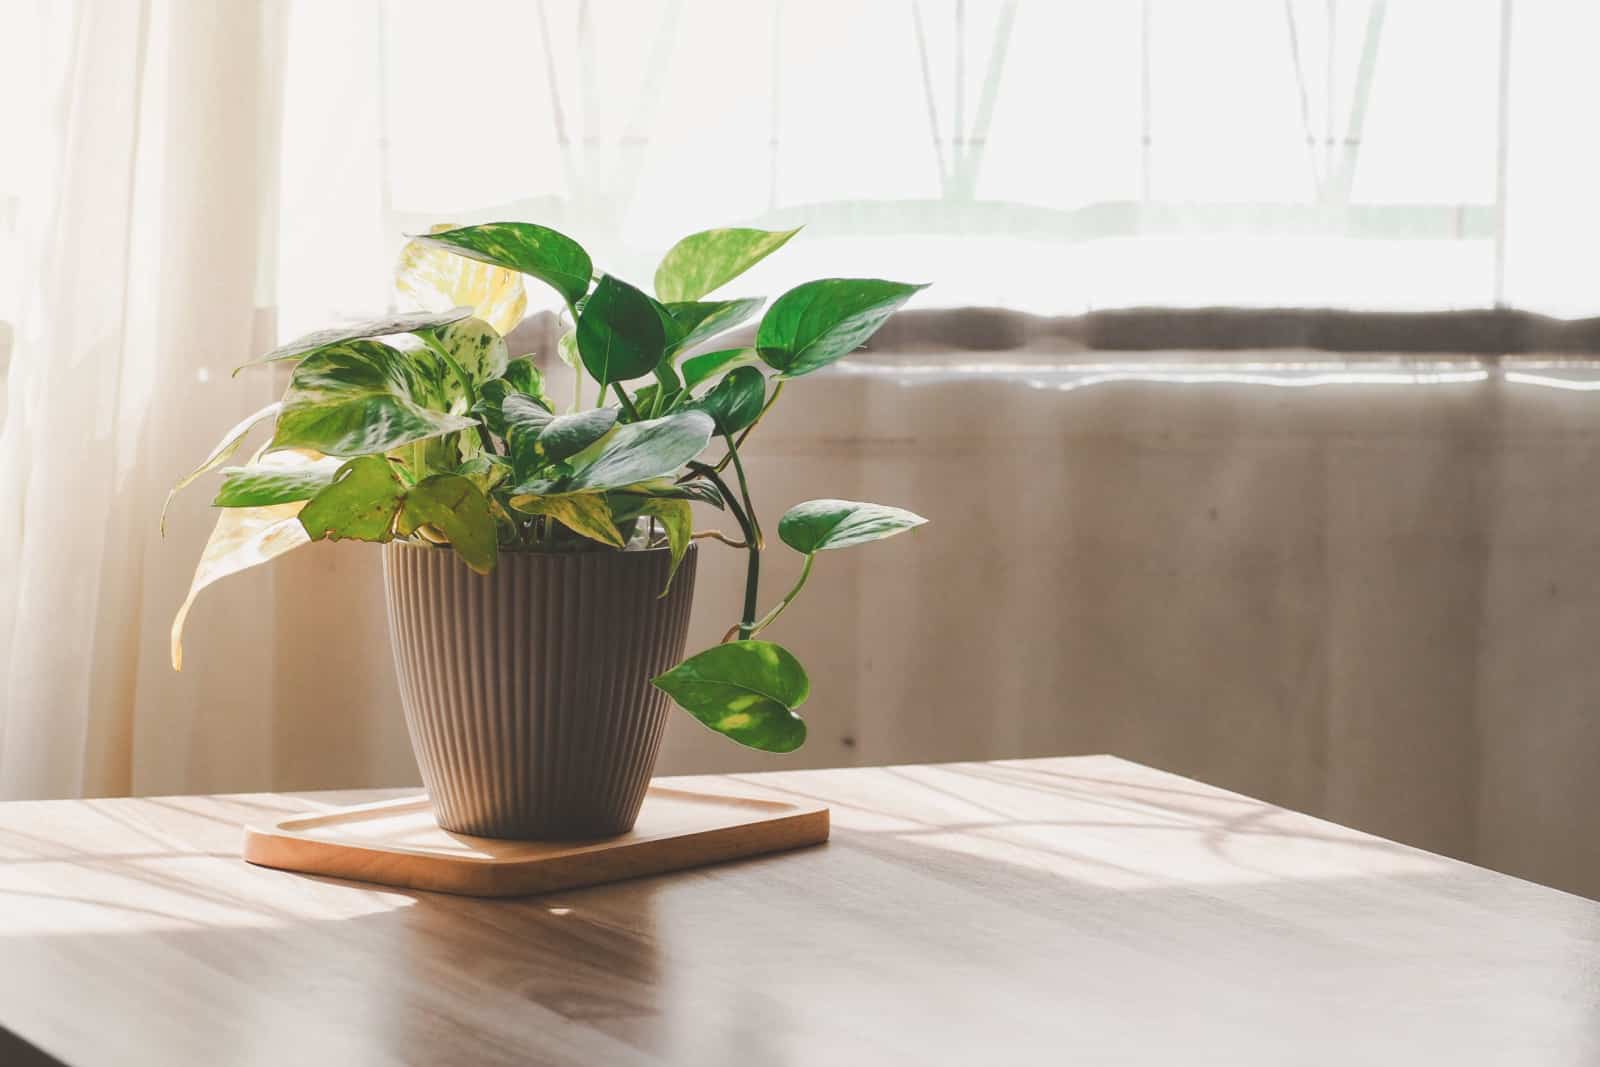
(528, 550)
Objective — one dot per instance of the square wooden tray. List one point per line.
(398, 843)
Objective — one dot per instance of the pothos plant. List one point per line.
(422, 426)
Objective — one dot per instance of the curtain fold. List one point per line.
(140, 225)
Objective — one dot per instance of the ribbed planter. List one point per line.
(527, 691)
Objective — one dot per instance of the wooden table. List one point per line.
(1083, 911)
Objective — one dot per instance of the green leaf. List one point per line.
(476, 347)
(620, 336)
(816, 323)
(355, 399)
(817, 525)
(536, 437)
(587, 514)
(745, 690)
(698, 321)
(278, 478)
(525, 378)
(409, 322)
(697, 489)
(243, 537)
(492, 397)
(710, 259)
(704, 367)
(456, 508)
(222, 453)
(633, 453)
(736, 400)
(553, 258)
(360, 503)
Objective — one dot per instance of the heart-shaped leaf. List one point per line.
(620, 335)
(355, 399)
(360, 503)
(736, 400)
(817, 525)
(277, 478)
(434, 277)
(454, 507)
(629, 454)
(708, 365)
(222, 453)
(698, 321)
(587, 514)
(243, 538)
(475, 346)
(814, 324)
(710, 259)
(407, 322)
(744, 690)
(536, 437)
(525, 377)
(553, 258)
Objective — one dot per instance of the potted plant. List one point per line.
(539, 562)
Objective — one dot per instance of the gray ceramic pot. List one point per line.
(527, 692)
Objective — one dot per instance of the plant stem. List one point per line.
(622, 395)
(717, 535)
(744, 491)
(752, 576)
(752, 537)
(752, 586)
(769, 617)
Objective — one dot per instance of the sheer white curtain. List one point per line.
(141, 180)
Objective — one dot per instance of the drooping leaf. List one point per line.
(536, 437)
(744, 690)
(355, 399)
(222, 453)
(818, 525)
(701, 368)
(699, 320)
(705, 261)
(586, 514)
(677, 519)
(633, 453)
(814, 324)
(620, 335)
(476, 348)
(434, 278)
(243, 537)
(276, 478)
(553, 258)
(457, 509)
(360, 503)
(406, 322)
(736, 400)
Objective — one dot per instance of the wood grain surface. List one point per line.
(1083, 910)
(399, 843)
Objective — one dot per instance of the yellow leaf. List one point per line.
(582, 513)
(437, 280)
(243, 538)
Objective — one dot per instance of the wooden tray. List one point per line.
(397, 842)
